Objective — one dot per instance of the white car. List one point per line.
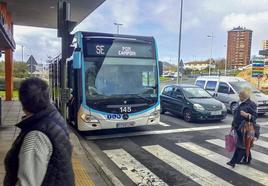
(226, 90)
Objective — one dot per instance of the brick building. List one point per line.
(239, 47)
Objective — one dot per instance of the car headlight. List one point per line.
(199, 107)
(223, 107)
(87, 118)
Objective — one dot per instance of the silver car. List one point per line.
(226, 89)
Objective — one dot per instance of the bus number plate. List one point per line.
(125, 109)
(125, 124)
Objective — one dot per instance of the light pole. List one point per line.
(118, 26)
(211, 47)
(225, 64)
(22, 53)
(179, 50)
(22, 47)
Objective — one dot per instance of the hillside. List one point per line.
(246, 74)
(169, 67)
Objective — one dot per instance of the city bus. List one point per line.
(114, 81)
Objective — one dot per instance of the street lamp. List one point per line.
(22, 47)
(225, 64)
(179, 50)
(211, 47)
(117, 26)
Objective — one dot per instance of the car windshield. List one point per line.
(109, 78)
(195, 92)
(238, 86)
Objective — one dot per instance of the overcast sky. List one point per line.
(160, 18)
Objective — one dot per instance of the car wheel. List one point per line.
(187, 115)
(162, 111)
(233, 107)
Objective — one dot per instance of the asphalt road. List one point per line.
(179, 153)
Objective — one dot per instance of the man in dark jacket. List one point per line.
(244, 113)
(41, 154)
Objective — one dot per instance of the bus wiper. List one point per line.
(140, 97)
(144, 98)
(152, 87)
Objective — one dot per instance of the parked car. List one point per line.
(226, 90)
(191, 102)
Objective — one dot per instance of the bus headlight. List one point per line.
(89, 119)
(155, 114)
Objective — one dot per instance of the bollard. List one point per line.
(0, 111)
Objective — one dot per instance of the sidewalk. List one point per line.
(85, 173)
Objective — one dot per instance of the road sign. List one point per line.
(257, 68)
(181, 67)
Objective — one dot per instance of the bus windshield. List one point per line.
(111, 77)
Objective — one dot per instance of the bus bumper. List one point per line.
(96, 121)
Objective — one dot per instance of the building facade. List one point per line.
(239, 47)
(265, 45)
(198, 65)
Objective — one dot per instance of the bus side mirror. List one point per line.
(77, 58)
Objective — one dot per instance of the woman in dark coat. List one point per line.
(246, 112)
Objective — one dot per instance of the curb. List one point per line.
(92, 156)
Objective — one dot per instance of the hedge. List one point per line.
(16, 83)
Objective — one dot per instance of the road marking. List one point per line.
(138, 173)
(255, 155)
(261, 143)
(164, 124)
(243, 170)
(194, 172)
(155, 132)
(265, 135)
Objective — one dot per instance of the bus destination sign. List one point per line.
(119, 49)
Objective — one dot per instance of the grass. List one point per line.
(164, 78)
(15, 93)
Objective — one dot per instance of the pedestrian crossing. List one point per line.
(264, 135)
(199, 172)
(187, 168)
(256, 155)
(138, 173)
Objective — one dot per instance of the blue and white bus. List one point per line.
(114, 81)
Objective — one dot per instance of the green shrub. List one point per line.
(16, 83)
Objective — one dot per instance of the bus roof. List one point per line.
(117, 36)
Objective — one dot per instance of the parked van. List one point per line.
(226, 90)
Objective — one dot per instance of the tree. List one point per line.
(21, 70)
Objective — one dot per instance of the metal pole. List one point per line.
(211, 46)
(118, 26)
(179, 50)
(22, 53)
(225, 64)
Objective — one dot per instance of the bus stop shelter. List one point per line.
(35, 13)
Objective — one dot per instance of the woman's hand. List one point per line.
(244, 114)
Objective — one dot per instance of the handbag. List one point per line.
(230, 142)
